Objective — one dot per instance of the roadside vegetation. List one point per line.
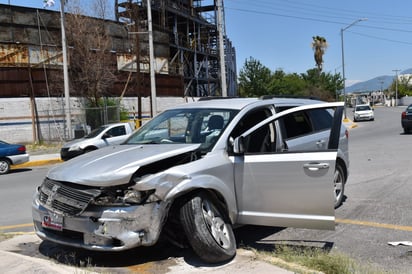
(314, 260)
(257, 80)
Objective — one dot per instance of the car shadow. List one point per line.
(19, 170)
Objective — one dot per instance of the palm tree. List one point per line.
(319, 46)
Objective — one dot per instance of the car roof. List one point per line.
(240, 103)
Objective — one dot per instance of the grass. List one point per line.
(315, 260)
(44, 147)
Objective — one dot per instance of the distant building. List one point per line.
(185, 41)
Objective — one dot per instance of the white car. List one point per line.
(363, 112)
(106, 135)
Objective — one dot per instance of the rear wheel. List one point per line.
(4, 166)
(208, 228)
(339, 185)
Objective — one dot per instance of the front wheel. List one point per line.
(339, 185)
(208, 228)
(4, 166)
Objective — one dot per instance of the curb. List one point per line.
(38, 163)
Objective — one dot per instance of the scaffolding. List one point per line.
(186, 42)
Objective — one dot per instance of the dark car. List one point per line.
(406, 119)
(11, 154)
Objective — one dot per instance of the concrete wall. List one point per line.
(17, 124)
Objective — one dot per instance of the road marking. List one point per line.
(15, 226)
(342, 221)
(373, 224)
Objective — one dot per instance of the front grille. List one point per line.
(67, 199)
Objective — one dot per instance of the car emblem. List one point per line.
(52, 195)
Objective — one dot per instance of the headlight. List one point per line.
(138, 197)
(124, 197)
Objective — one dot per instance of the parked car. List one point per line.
(201, 169)
(406, 119)
(111, 134)
(11, 154)
(363, 112)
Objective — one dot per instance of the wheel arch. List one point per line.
(186, 195)
(89, 148)
(213, 186)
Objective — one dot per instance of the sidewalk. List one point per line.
(16, 258)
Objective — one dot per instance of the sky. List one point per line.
(377, 34)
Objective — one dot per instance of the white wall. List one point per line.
(16, 123)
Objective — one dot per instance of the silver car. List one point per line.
(196, 171)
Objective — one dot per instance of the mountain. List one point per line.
(375, 84)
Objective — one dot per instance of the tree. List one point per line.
(254, 79)
(322, 85)
(90, 58)
(404, 86)
(287, 84)
(319, 46)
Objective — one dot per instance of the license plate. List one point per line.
(53, 221)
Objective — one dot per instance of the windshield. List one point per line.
(360, 108)
(190, 126)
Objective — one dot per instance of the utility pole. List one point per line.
(152, 60)
(221, 47)
(65, 74)
(396, 86)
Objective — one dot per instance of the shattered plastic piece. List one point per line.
(408, 243)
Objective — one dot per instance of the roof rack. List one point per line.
(267, 97)
(216, 97)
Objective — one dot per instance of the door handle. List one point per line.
(316, 166)
(320, 143)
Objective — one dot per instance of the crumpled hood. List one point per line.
(114, 165)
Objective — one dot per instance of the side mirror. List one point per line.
(106, 135)
(239, 145)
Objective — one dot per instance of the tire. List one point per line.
(339, 185)
(4, 166)
(208, 228)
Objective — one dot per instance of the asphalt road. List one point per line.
(376, 209)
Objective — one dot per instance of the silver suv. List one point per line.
(202, 168)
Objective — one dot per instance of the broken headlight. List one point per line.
(123, 197)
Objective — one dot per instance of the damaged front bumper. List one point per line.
(102, 228)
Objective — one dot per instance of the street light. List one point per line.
(396, 86)
(343, 61)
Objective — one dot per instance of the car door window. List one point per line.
(321, 119)
(117, 131)
(296, 124)
(263, 139)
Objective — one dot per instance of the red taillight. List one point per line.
(22, 149)
(347, 134)
(404, 114)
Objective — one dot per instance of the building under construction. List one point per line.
(187, 61)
